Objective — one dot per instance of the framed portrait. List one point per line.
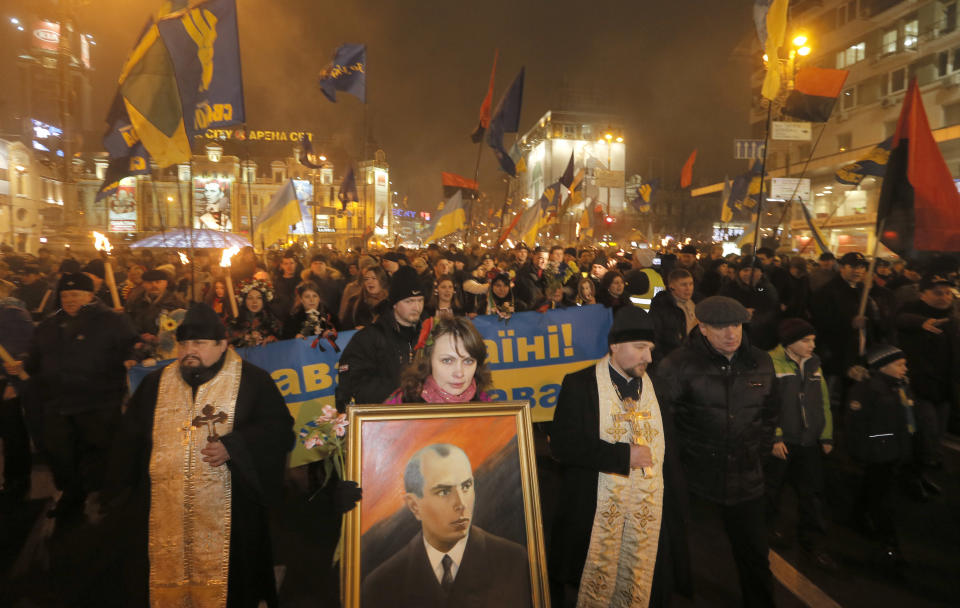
(450, 514)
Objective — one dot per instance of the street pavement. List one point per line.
(37, 567)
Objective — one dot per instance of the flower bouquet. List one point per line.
(325, 435)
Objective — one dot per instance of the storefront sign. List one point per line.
(790, 131)
(790, 189)
(122, 207)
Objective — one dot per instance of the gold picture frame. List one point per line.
(497, 439)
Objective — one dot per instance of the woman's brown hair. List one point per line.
(413, 377)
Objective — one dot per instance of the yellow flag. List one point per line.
(776, 32)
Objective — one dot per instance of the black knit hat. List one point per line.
(638, 283)
(689, 249)
(75, 281)
(155, 275)
(96, 268)
(879, 356)
(794, 329)
(404, 284)
(721, 311)
(201, 323)
(629, 325)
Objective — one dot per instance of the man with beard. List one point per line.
(201, 451)
(619, 537)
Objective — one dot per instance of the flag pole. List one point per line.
(763, 179)
(503, 209)
(476, 198)
(867, 285)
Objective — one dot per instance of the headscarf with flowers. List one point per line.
(254, 329)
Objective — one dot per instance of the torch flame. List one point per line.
(102, 243)
(227, 254)
(183, 258)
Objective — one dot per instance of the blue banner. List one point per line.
(528, 355)
(347, 72)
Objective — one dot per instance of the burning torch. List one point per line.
(102, 243)
(225, 263)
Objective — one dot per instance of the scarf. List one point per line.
(432, 393)
(688, 308)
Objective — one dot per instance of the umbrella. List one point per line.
(201, 239)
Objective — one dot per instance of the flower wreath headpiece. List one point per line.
(259, 285)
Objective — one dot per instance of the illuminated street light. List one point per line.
(620, 140)
(800, 40)
(608, 136)
(803, 51)
(14, 21)
(323, 158)
(765, 58)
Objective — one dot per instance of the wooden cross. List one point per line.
(211, 420)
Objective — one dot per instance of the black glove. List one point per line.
(346, 495)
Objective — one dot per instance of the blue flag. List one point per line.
(874, 164)
(307, 153)
(205, 50)
(644, 195)
(741, 204)
(506, 119)
(347, 72)
(348, 189)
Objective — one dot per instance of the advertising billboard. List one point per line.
(122, 207)
(211, 203)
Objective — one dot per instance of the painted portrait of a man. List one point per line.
(443, 519)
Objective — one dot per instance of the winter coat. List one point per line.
(833, 308)
(371, 363)
(878, 422)
(669, 324)
(144, 313)
(76, 363)
(805, 417)
(725, 412)
(531, 285)
(764, 301)
(932, 358)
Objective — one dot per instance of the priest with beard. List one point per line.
(200, 456)
(619, 538)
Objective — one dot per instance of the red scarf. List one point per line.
(432, 393)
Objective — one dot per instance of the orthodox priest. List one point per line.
(619, 538)
(202, 453)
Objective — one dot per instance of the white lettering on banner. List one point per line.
(503, 352)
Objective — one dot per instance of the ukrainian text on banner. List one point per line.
(528, 354)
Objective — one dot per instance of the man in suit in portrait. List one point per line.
(450, 562)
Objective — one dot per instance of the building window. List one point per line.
(898, 80)
(851, 55)
(951, 114)
(948, 22)
(943, 64)
(569, 131)
(911, 32)
(889, 44)
(844, 141)
(849, 98)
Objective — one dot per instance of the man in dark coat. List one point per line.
(371, 363)
(577, 442)
(149, 485)
(146, 304)
(722, 395)
(450, 562)
(532, 280)
(672, 313)
(755, 292)
(77, 366)
(929, 334)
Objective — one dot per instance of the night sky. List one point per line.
(669, 68)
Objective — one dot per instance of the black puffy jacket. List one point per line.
(725, 412)
(76, 363)
(669, 324)
(371, 363)
(877, 420)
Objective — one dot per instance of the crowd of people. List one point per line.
(764, 364)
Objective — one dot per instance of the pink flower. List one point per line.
(313, 442)
(329, 413)
(340, 425)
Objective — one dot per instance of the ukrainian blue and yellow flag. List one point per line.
(744, 194)
(182, 77)
(281, 216)
(450, 217)
(874, 164)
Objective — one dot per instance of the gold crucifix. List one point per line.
(185, 431)
(634, 416)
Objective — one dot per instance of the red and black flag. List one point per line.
(452, 182)
(477, 135)
(686, 174)
(919, 208)
(815, 93)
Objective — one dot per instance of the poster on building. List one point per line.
(122, 207)
(211, 203)
(4, 166)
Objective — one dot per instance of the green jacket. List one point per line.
(804, 401)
